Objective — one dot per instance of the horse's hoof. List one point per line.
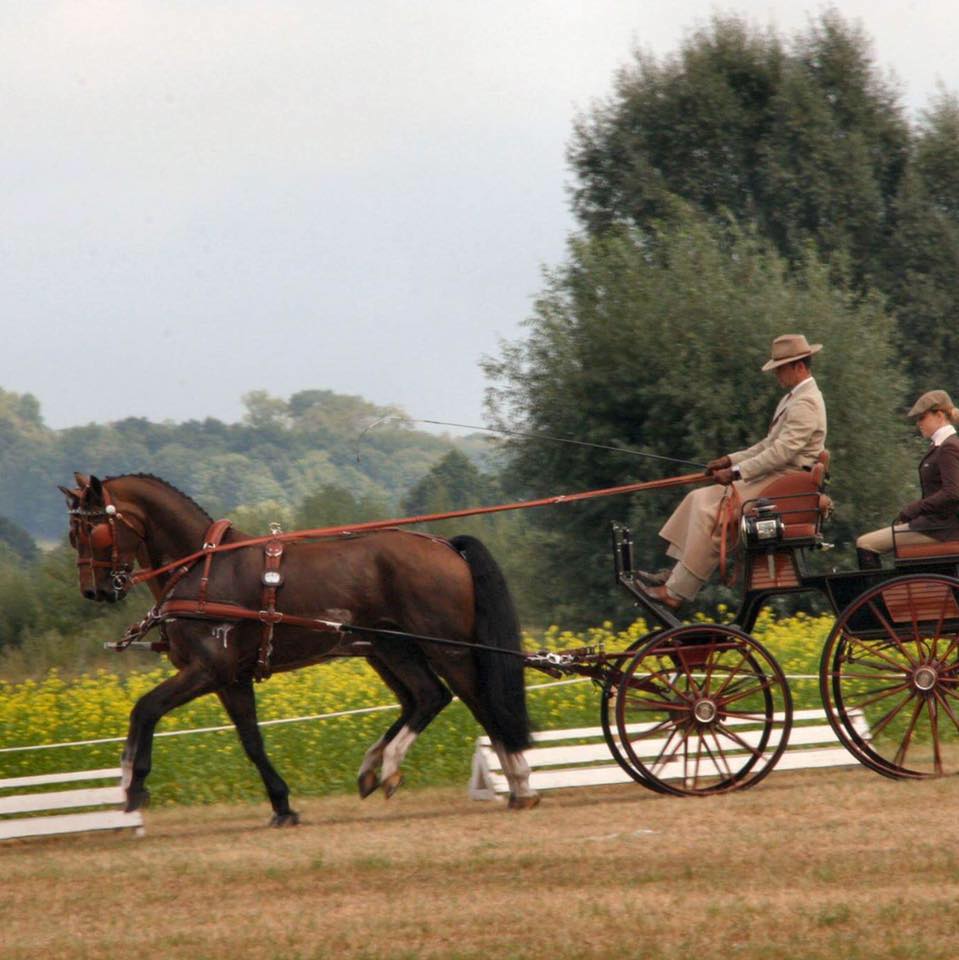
(367, 782)
(392, 783)
(524, 803)
(136, 800)
(289, 819)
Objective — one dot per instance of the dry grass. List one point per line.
(839, 864)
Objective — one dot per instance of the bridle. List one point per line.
(97, 529)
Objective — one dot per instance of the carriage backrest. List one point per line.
(799, 498)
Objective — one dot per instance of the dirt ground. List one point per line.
(837, 864)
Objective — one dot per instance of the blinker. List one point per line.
(101, 536)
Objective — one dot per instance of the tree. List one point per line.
(453, 483)
(808, 142)
(658, 349)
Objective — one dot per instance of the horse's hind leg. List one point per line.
(460, 673)
(191, 682)
(405, 671)
(240, 703)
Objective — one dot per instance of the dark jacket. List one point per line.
(939, 506)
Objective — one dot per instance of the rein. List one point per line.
(298, 535)
(201, 607)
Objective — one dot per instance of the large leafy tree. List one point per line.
(657, 348)
(807, 140)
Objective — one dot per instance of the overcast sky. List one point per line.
(199, 198)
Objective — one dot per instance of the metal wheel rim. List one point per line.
(610, 687)
(756, 763)
(929, 686)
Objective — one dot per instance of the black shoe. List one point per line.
(662, 595)
(868, 559)
(655, 579)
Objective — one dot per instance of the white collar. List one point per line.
(940, 435)
(786, 397)
(801, 386)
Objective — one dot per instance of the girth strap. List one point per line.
(211, 541)
(272, 581)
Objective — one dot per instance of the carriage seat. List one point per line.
(800, 499)
(940, 549)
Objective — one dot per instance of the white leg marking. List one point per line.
(396, 750)
(126, 766)
(516, 770)
(372, 758)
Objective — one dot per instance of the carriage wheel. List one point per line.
(701, 709)
(889, 677)
(607, 718)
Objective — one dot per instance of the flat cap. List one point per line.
(931, 400)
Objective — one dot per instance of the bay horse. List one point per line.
(388, 579)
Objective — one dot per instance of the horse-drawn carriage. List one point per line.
(689, 709)
(718, 705)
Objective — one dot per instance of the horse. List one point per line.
(391, 580)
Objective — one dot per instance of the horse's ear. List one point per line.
(73, 496)
(83, 481)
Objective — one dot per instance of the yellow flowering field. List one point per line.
(319, 756)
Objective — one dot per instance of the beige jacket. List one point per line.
(797, 435)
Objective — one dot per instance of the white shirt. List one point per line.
(940, 435)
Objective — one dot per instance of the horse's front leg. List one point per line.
(191, 682)
(240, 703)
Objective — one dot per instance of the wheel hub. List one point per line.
(705, 711)
(925, 677)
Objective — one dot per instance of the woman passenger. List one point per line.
(935, 516)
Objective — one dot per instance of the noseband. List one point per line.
(98, 529)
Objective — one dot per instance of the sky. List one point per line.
(199, 199)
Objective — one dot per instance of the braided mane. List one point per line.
(166, 483)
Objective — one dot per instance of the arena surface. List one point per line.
(836, 864)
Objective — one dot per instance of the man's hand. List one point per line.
(720, 463)
(725, 477)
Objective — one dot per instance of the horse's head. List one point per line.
(106, 539)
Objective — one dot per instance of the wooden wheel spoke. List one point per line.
(897, 642)
(888, 717)
(722, 755)
(845, 675)
(654, 731)
(950, 713)
(907, 736)
(733, 672)
(765, 684)
(873, 696)
(640, 704)
(762, 718)
(865, 645)
(946, 597)
(661, 760)
(953, 646)
(727, 732)
(933, 711)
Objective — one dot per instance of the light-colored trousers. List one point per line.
(694, 536)
(880, 541)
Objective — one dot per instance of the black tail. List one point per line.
(501, 678)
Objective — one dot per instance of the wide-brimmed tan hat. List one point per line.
(931, 400)
(790, 347)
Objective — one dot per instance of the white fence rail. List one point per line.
(555, 764)
(14, 804)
